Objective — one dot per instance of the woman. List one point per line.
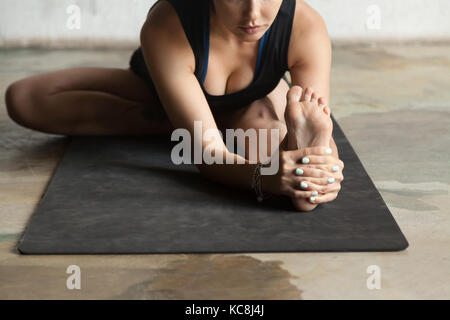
(220, 62)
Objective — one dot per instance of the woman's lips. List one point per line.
(251, 30)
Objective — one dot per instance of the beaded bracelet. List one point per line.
(256, 182)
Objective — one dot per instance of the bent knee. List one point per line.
(18, 100)
(262, 109)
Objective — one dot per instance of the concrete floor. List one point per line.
(393, 103)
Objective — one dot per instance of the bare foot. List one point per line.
(308, 124)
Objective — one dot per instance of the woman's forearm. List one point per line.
(239, 174)
(232, 174)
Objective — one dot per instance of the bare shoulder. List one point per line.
(163, 35)
(162, 16)
(309, 33)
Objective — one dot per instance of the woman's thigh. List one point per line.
(123, 83)
(112, 98)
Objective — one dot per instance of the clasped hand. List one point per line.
(310, 173)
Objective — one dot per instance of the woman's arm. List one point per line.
(171, 65)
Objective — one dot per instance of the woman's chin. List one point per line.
(245, 37)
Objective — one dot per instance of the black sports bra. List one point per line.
(272, 53)
(206, 37)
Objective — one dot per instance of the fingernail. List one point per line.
(312, 199)
(304, 185)
(298, 171)
(330, 180)
(335, 168)
(329, 151)
(314, 193)
(305, 160)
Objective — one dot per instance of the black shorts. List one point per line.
(155, 111)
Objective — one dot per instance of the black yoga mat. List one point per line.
(118, 195)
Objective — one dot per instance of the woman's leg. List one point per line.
(84, 101)
(268, 113)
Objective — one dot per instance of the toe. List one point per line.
(321, 102)
(294, 94)
(324, 108)
(314, 98)
(307, 94)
